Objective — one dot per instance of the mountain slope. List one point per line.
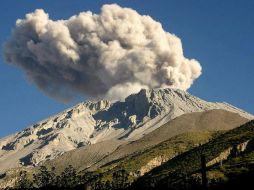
(212, 120)
(140, 156)
(230, 145)
(92, 122)
(143, 161)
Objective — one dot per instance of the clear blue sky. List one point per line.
(220, 34)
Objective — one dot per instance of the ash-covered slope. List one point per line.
(105, 153)
(92, 122)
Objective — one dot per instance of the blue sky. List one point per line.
(219, 34)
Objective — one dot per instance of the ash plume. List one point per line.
(111, 54)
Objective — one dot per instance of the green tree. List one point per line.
(108, 185)
(96, 181)
(24, 182)
(44, 177)
(120, 179)
(69, 177)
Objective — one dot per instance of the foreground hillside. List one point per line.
(233, 151)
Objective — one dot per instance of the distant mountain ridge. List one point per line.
(96, 121)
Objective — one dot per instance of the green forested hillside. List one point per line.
(163, 152)
(187, 165)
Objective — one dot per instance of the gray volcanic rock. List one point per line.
(96, 121)
(103, 153)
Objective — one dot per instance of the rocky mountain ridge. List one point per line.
(96, 121)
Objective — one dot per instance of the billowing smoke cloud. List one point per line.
(113, 54)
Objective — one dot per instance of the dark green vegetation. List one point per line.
(233, 151)
(144, 160)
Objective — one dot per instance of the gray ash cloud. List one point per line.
(111, 54)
